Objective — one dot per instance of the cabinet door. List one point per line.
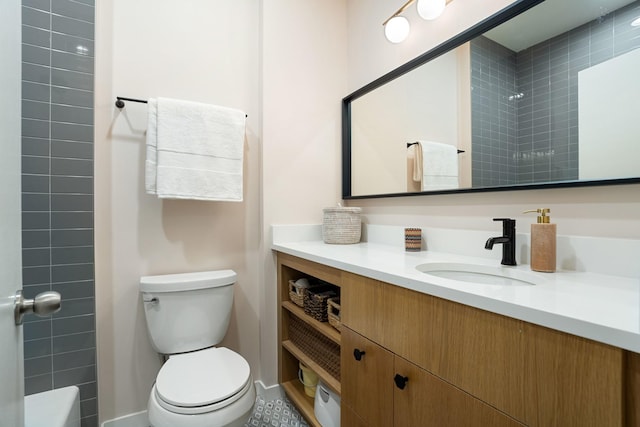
(349, 418)
(572, 381)
(426, 400)
(367, 380)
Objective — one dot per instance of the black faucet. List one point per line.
(508, 241)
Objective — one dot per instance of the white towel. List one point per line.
(150, 164)
(199, 151)
(439, 166)
(417, 162)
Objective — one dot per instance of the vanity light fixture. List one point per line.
(636, 22)
(396, 27)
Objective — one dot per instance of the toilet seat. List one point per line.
(202, 381)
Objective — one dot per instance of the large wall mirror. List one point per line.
(542, 94)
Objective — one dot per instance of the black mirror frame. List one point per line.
(483, 26)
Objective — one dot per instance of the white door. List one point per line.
(11, 362)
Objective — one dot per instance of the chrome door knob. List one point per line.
(43, 304)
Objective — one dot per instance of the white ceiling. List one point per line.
(548, 19)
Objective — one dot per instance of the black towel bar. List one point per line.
(409, 144)
(120, 102)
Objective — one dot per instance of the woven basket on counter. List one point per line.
(315, 301)
(341, 225)
(333, 312)
(319, 348)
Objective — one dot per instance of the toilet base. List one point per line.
(234, 415)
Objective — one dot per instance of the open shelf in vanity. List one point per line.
(304, 339)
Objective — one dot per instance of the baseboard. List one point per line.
(270, 392)
(138, 419)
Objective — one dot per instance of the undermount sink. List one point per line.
(480, 274)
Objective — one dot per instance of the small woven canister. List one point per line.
(341, 225)
(412, 239)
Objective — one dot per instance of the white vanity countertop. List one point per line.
(600, 307)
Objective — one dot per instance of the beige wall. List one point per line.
(598, 211)
(198, 50)
(304, 79)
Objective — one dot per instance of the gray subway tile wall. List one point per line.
(57, 195)
(546, 138)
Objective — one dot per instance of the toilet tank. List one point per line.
(189, 311)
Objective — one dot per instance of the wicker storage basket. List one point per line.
(341, 225)
(296, 293)
(315, 301)
(333, 312)
(319, 348)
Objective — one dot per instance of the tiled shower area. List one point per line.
(525, 104)
(57, 195)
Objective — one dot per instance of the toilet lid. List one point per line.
(202, 378)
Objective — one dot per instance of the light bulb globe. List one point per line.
(397, 29)
(431, 9)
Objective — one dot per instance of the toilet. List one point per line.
(200, 385)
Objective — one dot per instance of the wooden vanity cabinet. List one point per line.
(465, 366)
(528, 373)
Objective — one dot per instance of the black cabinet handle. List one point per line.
(400, 381)
(357, 354)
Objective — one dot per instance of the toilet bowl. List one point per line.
(200, 385)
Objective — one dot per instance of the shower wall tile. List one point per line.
(72, 80)
(35, 110)
(37, 366)
(35, 73)
(36, 238)
(38, 384)
(35, 128)
(71, 220)
(36, 55)
(37, 348)
(72, 9)
(36, 257)
(72, 290)
(71, 202)
(77, 185)
(66, 96)
(69, 377)
(34, 165)
(36, 275)
(35, 202)
(37, 330)
(36, 18)
(75, 325)
(72, 62)
(71, 44)
(74, 342)
(57, 199)
(35, 220)
(60, 238)
(71, 167)
(72, 27)
(74, 359)
(36, 36)
(70, 273)
(74, 255)
(71, 149)
(36, 91)
(71, 132)
(38, 4)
